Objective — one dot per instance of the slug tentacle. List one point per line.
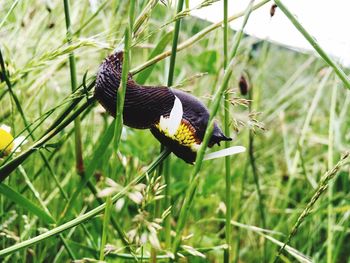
(177, 119)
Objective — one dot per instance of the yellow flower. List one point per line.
(6, 140)
(7, 143)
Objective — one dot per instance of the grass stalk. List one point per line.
(91, 18)
(156, 214)
(144, 15)
(8, 13)
(174, 45)
(114, 223)
(227, 252)
(167, 198)
(125, 70)
(191, 190)
(79, 162)
(252, 162)
(240, 199)
(330, 212)
(105, 227)
(341, 74)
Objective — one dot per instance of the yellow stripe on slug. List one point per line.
(6, 142)
(184, 135)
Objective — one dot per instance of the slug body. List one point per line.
(177, 119)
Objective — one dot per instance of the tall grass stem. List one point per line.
(166, 166)
(194, 179)
(330, 211)
(79, 162)
(227, 252)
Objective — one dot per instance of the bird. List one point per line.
(177, 119)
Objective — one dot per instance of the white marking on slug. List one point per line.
(225, 152)
(173, 122)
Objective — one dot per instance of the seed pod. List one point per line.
(243, 85)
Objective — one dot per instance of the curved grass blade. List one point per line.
(25, 203)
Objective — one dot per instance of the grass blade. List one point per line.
(26, 203)
(227, 252)
(105, 227)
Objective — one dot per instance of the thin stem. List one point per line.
(227, 252)
(125, 70)
(105, 227)
(167, 198)
(330, 216)
(8, 13)
(238, 235)
(255, 173)
(79, 162)
(190, 193)
(174, 45)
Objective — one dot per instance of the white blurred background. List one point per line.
(328, 21)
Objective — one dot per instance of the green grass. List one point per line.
(297, 97)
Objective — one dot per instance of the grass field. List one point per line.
(75, 192)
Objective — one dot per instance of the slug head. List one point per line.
(217, 136)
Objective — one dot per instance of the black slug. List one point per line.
(177, 119)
